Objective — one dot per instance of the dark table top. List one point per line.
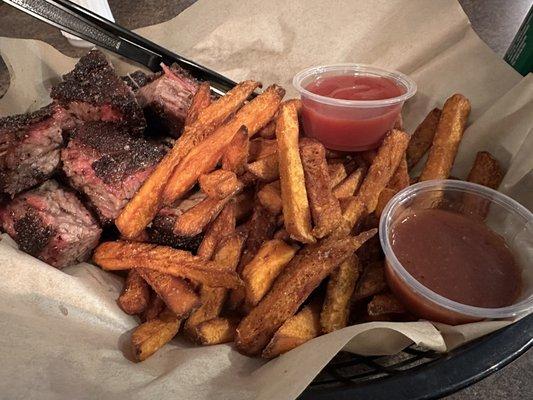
(495, 21)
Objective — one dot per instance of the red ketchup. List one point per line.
(351, 127)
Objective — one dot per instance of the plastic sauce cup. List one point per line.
(506, 217)
(350, 125)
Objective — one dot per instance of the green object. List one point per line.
(520, 53)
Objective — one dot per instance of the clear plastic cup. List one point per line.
(350, 125)
(505, 216)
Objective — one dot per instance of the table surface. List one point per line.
(496, 22)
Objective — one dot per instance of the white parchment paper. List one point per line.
(64, 337)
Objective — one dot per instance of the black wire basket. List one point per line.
(416, 373)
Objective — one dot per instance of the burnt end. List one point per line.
(93, 91)
(32, 235)
(20, 122)
(138, 79)
(161, 233)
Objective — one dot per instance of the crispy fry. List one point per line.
(216, 331)
(337, 173)
(400, 180)
(259, 274)
(135, 294)
(372, 281)
(270, 197)
(177, 294)
(486, 171)
(325, 208)
(303, 274)
(449, 133)
(152, 335)
(193, 221)
(282, 234)
(266, 168)
(143, 207)
(298, 329)
(340, 288)
(219, 184)
(222, 226)
(269, 131)
(244, 203)
(350, 184)
(261, 148)
(155, 307)
(119, 255)
(383, 166)
(200, 100)
(384, 304)
(384, 197)
(422, 138)
(296, 211)
(235, 156)
(202, 158)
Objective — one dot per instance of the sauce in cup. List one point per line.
(351, 107)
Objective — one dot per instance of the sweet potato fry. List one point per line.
(384, 304)
(259, 274)
(337, 173)
(235, 156)
(222, 226)
(143, 207)
(270, 197)
(298, 329)
(120, 255)
(449, 133)
(135, 295)
(486, 171)
(200, 100)
(219, 184)
(422, 138)
(303, 274)
(372, 281)
(269, 131)
(261, 148)
(203, 158)
(216, 331)
(177, 294)
(325, 208)
(383, 166)
(193, 221)
(266, 168)
(400, 180)
(384, 197)
(296, 211)
(152, 335)
(155, 307)
(350, 184)
(340, 288)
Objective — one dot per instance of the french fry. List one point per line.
(266, 168)
(193, 221)
(384, 197)
(341, 285)
(152, 335)
(298, 329)
(486, 171)
(303, 274)
(216, 331)
(422, 138)
(350, 184)
(449, 133)
(337, 173)
(135, 295)
(219, 184)
(261, 148)
(259, 274)
(269, 131)
(235, 156)
(270, 197)
(143, 207)
(384, 164)
(200, 100)
(177, 294)
(244, 203)
(203, 158)
(400, 180)
(155, 307)
(221, 227)
(325, 208)
(282, 234)
(113, 256)
(372, 281)
(296, 211)
(384, 304)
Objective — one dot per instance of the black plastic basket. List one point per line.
(416, 373)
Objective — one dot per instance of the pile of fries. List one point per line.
(289, 249)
